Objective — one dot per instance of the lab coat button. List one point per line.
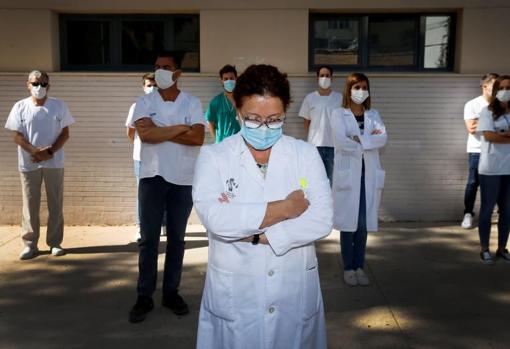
(271, 273)
(271, 310)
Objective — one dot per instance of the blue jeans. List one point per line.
(137, 164)
(154, 195)
(353, 244)
(494, 189)
(328, 158)
(472, 183)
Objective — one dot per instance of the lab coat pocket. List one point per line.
(218, 295)
(311, 292)
(379, 179)
(342, 180)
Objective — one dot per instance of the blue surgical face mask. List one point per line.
(229, 85)
(261, 138)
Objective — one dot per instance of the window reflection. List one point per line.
(336, 42)
(437, 31)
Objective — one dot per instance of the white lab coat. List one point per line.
(347, 169)
(261, 296)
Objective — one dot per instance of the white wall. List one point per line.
(425, 158)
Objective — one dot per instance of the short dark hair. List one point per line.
(488, 77)
(262, 80)
(148, 76)
(170, 54)
(324, 66)
(228, 69)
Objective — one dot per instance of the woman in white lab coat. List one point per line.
(264, 199)
(358, 178)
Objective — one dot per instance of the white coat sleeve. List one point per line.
(342, 140)
(368, 141)
(316, 222)
(232, 220)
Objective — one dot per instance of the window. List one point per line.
(127, 42)
(389, 42)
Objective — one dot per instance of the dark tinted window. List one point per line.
(88, 42)
(127, 42)
(392, 42)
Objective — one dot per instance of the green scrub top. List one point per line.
(222, 113)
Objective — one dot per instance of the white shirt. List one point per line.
(137, 143)
(472, 111)
(317, 109)
(172, 161)
(494, 157)
(41, 126)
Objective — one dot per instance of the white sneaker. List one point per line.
(350, 278)
(467, 222)
(28, 253)
(362, 277)
(57, 251)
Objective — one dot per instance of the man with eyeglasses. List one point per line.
(171, 126)
(40, 126)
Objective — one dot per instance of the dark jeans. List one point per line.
(472, 183)
(494, 189)
(137, 165)
(353, 244)
(154, 195)
(328, 158)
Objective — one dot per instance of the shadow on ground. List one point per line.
(428, 291)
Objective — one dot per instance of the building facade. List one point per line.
(424, 59)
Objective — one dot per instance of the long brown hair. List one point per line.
(495, 105)
(350, 81)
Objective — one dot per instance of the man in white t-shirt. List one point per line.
(40, 126)
(472, 111)
(315, 110)
(171, 126)
(148, 85)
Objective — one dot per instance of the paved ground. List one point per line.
(428, 291)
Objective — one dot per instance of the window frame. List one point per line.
(115, 34)
(364, 35)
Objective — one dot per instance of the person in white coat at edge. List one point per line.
(358, 179)
(264, 199)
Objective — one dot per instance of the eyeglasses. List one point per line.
(274, 123)
(42, 84)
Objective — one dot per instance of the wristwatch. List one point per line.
(256, 238)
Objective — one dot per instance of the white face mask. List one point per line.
(38, 92)
(149, 89)
(503, 95)
(164, 78)
(324, 83)
(359, 96)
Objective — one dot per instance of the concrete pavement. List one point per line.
(428, 290)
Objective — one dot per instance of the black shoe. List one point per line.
(504, 255)
(175, 303)
(143, 306)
